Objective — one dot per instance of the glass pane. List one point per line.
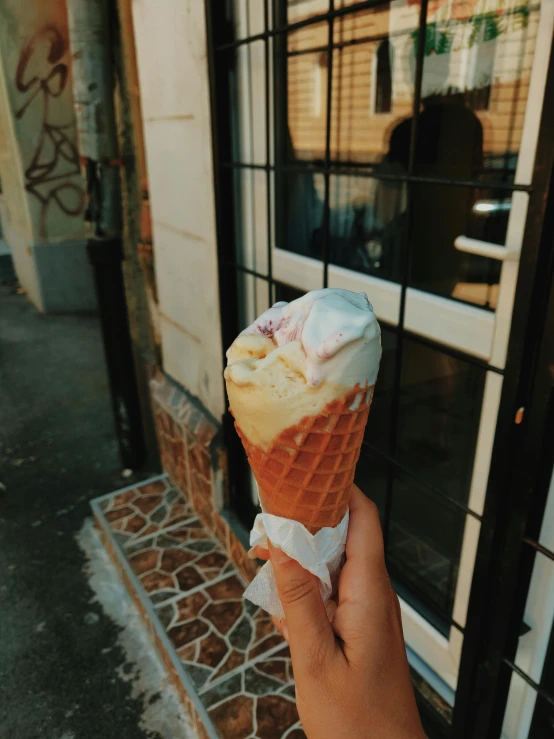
(286, 292)
(439, 215)
(367, 225)
(306, 95)
(371, 478)
(424, 545)
(253, 297)
(440, 410)
(247, 17)
(372, 91)
(298, 10)
(299, 214)
(477, 68)
(250, 214)
(379, 421)
(248, 120)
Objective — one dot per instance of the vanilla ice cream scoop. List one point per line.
(298, 357)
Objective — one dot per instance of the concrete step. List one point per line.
(230, 666)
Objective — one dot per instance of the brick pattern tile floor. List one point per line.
(239, 664)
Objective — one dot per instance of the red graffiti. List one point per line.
(56, 158)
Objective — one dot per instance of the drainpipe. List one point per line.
(93, 90)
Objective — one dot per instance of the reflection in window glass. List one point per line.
(424, 546)
(307, 93)
(440, 410)
(383, 77)
(367, 221)
(478, 57)
(439, 215)
(248, 122)
(475, 83)
(367, 224)
(299, 216)
(286, 293)
(371, 77)
(371, 478)
(300, 9)
(379, 422)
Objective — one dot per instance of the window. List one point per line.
(320, 79)
(382, 78)
(365, 205)
(481, 69)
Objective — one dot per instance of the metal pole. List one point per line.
(90, 35)
(90, 40)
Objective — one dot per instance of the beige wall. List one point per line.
(174, 92)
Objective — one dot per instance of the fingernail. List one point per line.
(331, 608)
(251, 553)
(278, 556)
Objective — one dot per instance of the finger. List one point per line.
(281, 626)
(365, 537)
(331, 609)
(310, 635)
(364, 575)
(258, 552)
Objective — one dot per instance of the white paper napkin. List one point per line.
(321, 554)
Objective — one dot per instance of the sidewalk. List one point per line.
(63, 672)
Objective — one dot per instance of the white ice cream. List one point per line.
(297, 357)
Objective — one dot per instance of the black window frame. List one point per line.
(520, 464)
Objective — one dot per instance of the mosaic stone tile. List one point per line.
(237, 554)
(172, 445)
(239, 664)
(190, 452)
(176, 562)
(214, 628)
(235, 717)
(255, 700)
(145, 510)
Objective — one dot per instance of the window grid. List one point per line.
(331, 167)
(279, 33)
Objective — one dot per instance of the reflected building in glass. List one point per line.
(476, 71)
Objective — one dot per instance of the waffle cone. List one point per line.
(308, 471)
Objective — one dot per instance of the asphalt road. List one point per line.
(62, 667)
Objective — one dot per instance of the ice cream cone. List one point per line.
(300, 382)
(307, 473)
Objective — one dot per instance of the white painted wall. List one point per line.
(174, 90)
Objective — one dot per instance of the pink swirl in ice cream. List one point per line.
(299, 356)
(325, 322)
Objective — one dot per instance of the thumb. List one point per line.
(310, 635)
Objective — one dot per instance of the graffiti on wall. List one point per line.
(43, 75)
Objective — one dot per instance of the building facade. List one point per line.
(404, 149)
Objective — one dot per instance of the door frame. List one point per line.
(516, 490)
